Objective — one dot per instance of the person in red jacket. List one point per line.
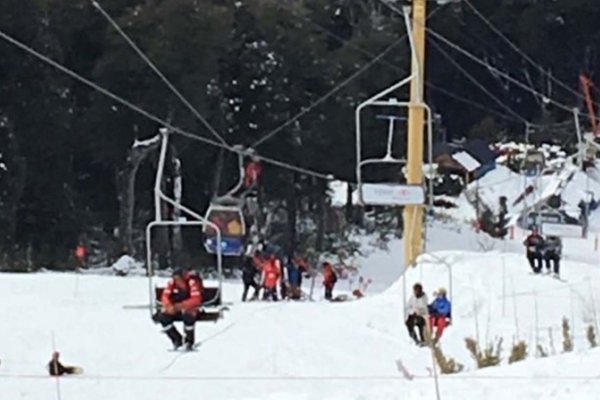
(271, 273)
(252, 173)
(329, 279)
(181, 299)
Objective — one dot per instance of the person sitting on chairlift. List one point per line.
(181, 299)
(417, 312)
(534, 243)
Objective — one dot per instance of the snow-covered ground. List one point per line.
(311, 350)
(321, 350)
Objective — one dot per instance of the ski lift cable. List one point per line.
(521, 52)
(391, 65)
(327, 95)
(490, 67)
(375, 59)
(158, 72)
(151, 116)
(477, 83)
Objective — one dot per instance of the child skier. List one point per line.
(440, 314)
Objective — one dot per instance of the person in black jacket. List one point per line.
(552, 254)
(55, 368)
(534, 244)
(249, 272)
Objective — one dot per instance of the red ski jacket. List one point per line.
(188, 296)
(271, 273)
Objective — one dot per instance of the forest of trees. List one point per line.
(248, 66)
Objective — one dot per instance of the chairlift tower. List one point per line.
(410, 194)
(413, 214)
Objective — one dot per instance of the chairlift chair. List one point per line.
(211, 308)
(533, 162)
(385, 193)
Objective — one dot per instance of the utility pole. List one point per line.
(413, 214)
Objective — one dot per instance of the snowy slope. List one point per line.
(298, 350)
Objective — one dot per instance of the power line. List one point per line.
(388, 64)
(159, 73)
(328, 94)
(492, 69)
(149, 115)
(476, 83)
(521, 52)
(471, 103)
(375, 59)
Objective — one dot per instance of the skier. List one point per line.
(534, 243)
(417, 311)
(329, 279)
(294, 279)
(55, 368)
(181, 298)
(249, 272)
(81, 255)
(271, 275)
(440, 314)
(552, 254)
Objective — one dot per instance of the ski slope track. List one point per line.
(311, 350)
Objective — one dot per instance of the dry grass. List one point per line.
(567, 340)
(489, 357)
(541, 351)
(518, 352)
(447, 365)
(591, 336)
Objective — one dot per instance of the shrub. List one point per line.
(518, 352)
(447, 365)
(566, 332)
(489, 357)
(591, 336)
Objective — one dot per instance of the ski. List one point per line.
(184, 349)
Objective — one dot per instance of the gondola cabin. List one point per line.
(230, 221)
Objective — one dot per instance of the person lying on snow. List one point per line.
(55, 368)
(417, 311)
(440, 314)
(181, 299)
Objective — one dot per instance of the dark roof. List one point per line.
(480, 151)
(443, 148)
(477, 148)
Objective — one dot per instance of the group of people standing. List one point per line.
(277, 281)
(429, 319)
(540, 249)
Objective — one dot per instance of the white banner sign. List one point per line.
(386, 194)
(562, 230)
